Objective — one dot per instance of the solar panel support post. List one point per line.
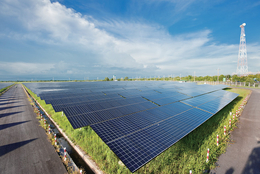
(218, 75)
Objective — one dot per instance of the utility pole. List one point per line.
(218, 74)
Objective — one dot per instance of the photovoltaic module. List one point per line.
(138, 120)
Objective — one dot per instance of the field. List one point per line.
(189, 153)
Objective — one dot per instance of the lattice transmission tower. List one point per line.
(242, 68)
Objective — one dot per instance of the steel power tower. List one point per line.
(242, 68)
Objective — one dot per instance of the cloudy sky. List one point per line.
(77, 39)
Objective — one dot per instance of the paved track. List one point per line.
(24, 147)
(244, 155)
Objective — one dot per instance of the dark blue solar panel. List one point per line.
(147, 143)
(196, 101)
(139, 119)
(218, 103)
(230, 95)
(193, 117)
(149, 116)
(153, 139)
(107, 132)
(132, 156)
(135, 129)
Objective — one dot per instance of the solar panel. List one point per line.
(4, 85)
(215, 105)
(137, 120)
(152, 139)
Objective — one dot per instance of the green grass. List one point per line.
(3, 89)
(188, 154)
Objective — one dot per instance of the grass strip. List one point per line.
(189, 153)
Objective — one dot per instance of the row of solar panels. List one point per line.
(160, 99)
(88, 116)
(51, 89)
(143, 124)
(140, 146)
(4, 85)
(62, 99)
(90, 97)
(140, 137)
(94, 108)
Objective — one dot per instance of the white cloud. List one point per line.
(23, 68)
(92, 46)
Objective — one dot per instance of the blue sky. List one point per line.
(76, 39)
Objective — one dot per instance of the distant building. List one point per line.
(114, 77)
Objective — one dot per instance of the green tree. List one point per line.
(228, 76)
(177, 78)
(214, 78)
(221, 77)
(208, 78)
(250, 79)
(189, 77)
(200, 78)
(126, 78)
(106, 79)
(235, 78)
(242, 79)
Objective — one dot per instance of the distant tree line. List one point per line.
(233, 78)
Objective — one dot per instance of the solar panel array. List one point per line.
(137, 120)
(4, 85)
